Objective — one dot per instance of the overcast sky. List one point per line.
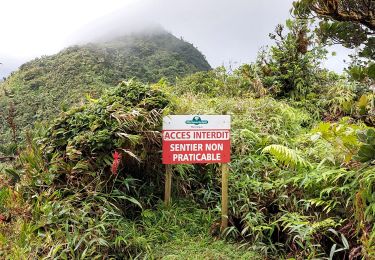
(226, 31)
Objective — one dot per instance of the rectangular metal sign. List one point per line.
(191, 139)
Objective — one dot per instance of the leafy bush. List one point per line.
(80, 208)
(291, 67)
(366, 152)
(79, 145)
(293, 189)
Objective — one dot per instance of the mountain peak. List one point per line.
(62, 80)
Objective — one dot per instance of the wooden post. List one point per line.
(168, 184)
(224, 196)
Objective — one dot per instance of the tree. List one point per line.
(291, 66)
(347, 22)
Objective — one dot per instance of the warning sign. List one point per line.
(196, 139)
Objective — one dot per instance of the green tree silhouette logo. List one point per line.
(197, 120)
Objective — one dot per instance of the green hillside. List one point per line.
(42, 88)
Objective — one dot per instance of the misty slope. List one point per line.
(45, 86)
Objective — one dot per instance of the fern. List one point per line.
(287, 156)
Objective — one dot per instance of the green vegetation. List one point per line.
(340, 20)
(42, 88)
(347, 22)
(89, 184)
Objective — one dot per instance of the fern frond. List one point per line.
(287, 156)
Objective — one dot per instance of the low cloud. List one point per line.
(226, 32)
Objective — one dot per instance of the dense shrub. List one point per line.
(126, 120)
(294, 190)
(79, 201)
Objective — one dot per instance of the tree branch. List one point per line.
(344, 12)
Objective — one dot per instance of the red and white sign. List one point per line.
(196, 139)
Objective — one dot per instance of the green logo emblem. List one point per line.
(196, 121)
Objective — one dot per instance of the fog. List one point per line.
(226, 32)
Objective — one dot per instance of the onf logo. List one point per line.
(196, 121)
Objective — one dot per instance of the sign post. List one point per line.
(190, 139)
(224, 196)
(168, 184)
